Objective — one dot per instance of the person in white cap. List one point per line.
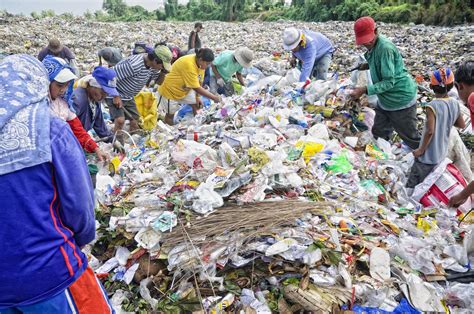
(225, 66)
(312, 49)
(60, 77)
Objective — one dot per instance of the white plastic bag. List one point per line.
(206, 199)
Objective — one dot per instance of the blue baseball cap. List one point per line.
(107, 79)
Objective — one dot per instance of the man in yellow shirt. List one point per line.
(183, 84)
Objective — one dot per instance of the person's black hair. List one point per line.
(465, 73)
(153, 57)
(442, 89)
(205, 54)
(198, 24)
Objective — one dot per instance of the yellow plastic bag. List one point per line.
(147, 105)
(258, 157)
(309, 149)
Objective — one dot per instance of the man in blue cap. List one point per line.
(88, 96)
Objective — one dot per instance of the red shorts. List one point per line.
(85, 295)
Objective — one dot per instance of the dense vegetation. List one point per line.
(437, 12)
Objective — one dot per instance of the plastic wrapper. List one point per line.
(122, 254)
(165, 222)
(417, 252)
(280, 247)
(148, 238)
(195, 154)
(206, 199)
(255, 191)
(145, 293)
(380, 264)
(249, 299)
(227, 155)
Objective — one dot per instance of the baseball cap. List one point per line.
(291, 38)
(442, 77)
(364, 29)
(165, 55)
(106, 79)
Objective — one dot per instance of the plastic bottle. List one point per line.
(197, 136)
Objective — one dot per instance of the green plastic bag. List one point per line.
(339, 164)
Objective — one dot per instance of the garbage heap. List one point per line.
(276, 200)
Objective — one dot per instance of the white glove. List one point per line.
(220, 82)
(118, 147)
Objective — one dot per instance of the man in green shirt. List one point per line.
(225, 66)
(395, 89)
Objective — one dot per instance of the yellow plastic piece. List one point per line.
(114, 164)
(192, 183)
(392, 226)
(147, 106)
(425, 225)
(309, 149)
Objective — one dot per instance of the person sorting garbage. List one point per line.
(225, 66)
(312, 49)
(442, 113)
(183, 84)
(88, 97)
(132, 75)
(395, 89)
(61, 77)
(111, 55)
(47, 202)
(464, 82)
(56, 49)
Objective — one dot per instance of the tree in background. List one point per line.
(431, 12)
(115, 7)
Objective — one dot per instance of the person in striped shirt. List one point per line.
(133, 73)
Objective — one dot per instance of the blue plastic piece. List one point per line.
(187, 109)
(403, 308)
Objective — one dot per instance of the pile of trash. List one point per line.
(277, 200)
(423, 47)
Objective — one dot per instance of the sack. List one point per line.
(440, 185)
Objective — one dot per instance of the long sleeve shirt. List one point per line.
(392, 84)
(89, 119)
(60, 109)
(47, 215)
(317, 45)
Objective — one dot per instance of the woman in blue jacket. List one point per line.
(47, 202)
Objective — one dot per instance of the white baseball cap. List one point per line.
(291, 38)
